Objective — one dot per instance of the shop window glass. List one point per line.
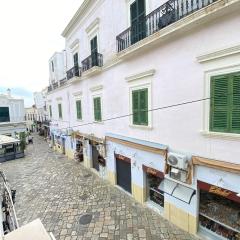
(219, 215)
(153, 191)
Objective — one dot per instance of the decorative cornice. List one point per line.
(94, 24)
(96, 88)
(79, 93)
(140, 75)
(74, 44)
(59, 98)
(219, 53)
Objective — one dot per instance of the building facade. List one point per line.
(11, 115)
(152, 97)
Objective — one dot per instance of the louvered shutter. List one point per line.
(60, 110)
(97, 109)
(235, 118)
(219, 120)
(79, 109)
(143, 106)
(135, 107)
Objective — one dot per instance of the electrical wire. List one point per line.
(149, 110)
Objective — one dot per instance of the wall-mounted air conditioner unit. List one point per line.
(178, 174)
(177, 161)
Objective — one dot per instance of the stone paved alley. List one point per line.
(59, 191)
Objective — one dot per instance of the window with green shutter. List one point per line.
(225, 103)
(140, 106)
(60, 110)
(79, 109)
(97, 109)
(50, 111)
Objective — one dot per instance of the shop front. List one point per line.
(219, 212)
(219, 198)
(123, 170)
(153, 180)
(95, 149)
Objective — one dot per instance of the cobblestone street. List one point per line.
(60, 191)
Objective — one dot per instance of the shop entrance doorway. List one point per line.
(95, 155)
(124, 178)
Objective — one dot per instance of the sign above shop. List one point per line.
(123, 158)
(219, 191)
(153, 171)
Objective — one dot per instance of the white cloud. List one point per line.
(30, 34)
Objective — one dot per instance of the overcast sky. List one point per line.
(30, 34)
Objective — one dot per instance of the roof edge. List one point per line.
(75, 18)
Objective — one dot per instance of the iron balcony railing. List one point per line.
(168, 13)
(63, 81)
(73, 72)
(50, 88)
(95, 59)
(55, 85)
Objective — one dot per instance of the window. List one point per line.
(75, 60)
(140, 106)
(50, 111)
(79, 109)
(4, 114)
(60, 110)
(52, 64)
(97, 109)
(225, 103)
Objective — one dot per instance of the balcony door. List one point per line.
(75, 63)
(94, 51)
(138, 23)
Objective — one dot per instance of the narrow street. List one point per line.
(60, 191)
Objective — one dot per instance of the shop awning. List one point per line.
(183, 193)
(167, 186)
(177, 190)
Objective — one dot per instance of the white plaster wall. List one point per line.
(228, 181)
(59, 69)
(178, 78)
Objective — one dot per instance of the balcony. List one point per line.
(50, 88)
(63, 81)
(73, 72)
(166, 14)
(55, 85)
(94, 60)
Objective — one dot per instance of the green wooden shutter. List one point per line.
(50, 110)
(140, 106)
(235, 117)
(79, 109)
(135, 109)
(219, 111)
(97, 109)
(60, 110)
(143, 106)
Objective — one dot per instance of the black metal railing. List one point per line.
(73, 72)
(95, 59)
(50, 88)
(168, 13)
(55, 85)
(62, 82)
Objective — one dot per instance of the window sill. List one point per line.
(144, 127)
(98, 122)
(79, 120)
(228, 136)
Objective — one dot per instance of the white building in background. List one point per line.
(57, 69)
(152, 95)
(11, 115)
